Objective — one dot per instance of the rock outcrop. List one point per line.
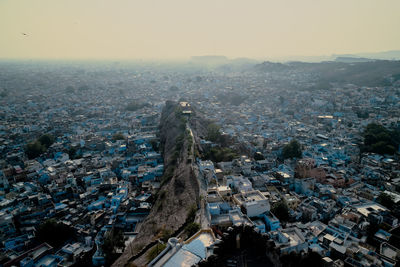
(179, 192)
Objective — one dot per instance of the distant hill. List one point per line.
(244, 60)
(387, 55)
(368, 73)
(273, 66)
(222, 61)
(353, 59)
(210, 59)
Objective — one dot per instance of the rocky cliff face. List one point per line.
(179, 192)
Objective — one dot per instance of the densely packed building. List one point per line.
(99, 174)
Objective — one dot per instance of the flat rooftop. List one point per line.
(193, 251)
(366, 209)
(294, 237)
(250, 196)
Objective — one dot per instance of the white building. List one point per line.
(253, 203)
(188, 253)
(289, 240)
(240, 183)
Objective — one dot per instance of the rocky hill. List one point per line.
(178, 196)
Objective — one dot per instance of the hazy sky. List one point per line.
(184, 28)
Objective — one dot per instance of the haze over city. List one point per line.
(208, 133)
(179, 29)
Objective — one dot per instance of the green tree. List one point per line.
(118, 136)
(47, 140)
(55, 233)
(72, 152)
(294, 259)
(386, 200)
(362, 114)
(192, 228)
(213, 132)
(154, 251)
(3, 93)
(155, 145)
(254, 244)
(292, 150)
(113, 240)
(134, 105)
(218, 154)
(281, 210)
(191, 213)
(380, 140)
(34, 149)
(258, 156)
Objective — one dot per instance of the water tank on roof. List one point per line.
(173, 241)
